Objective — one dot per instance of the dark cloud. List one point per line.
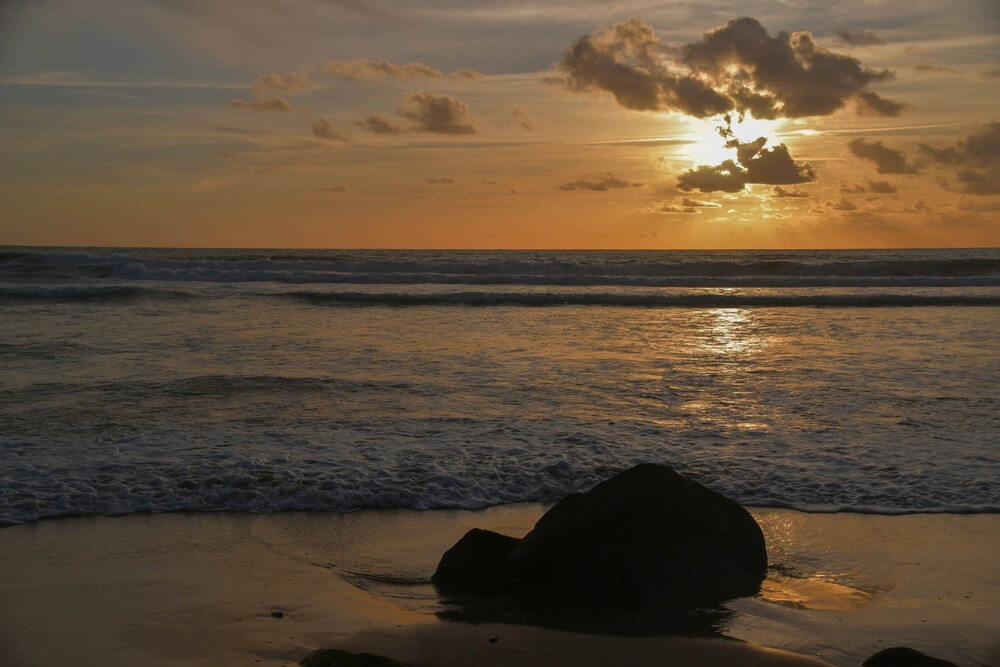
(607, 182)
(978, 155)
(686, 206)
(983, 146)
(980, 206)
(519, 117)
(439, 114)
(444, 180)
(860, 37)
(868, 103)
(757, 165)
(379, 124)
(738, 67)
(228, 154)
(695, 203)
(931, 69)
(670, 207)
(264, 104)
(295, 83)
(335, 188)
(324, 129)
(793, 193)
(878, 187)
(887, 160)
(362, 69)
(983, 182)
(725, 177)
(844, 205)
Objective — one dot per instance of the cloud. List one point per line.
(931, 69)
(867, 103)
(686, 206)
(444, 180)
(427, 112)
(887, 160)
(324, 129)
(294, 83)
(878, 187)
(669, 208)
(757, 165)
(607, 182)
(844, 205)
(439, 114)
(228, 154)
(335, 188)
(263, 104)
(739, 67)
(519, 117)
(362, 69)
(379, 124)
(783, 193)
(695, 203)
(980, 148)
(978, 156)
(980, 206)
(860, 37)
(982, 182)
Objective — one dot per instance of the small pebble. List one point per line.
(277, 614)
(494, 640)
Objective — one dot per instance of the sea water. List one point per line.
(150, 380)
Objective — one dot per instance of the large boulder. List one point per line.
(646, 535)
(902, 656)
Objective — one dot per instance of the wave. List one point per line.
(257, 486)
(86, 294)
(646, 300)
(641, 269)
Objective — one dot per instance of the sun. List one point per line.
(708, 146)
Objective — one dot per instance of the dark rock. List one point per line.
(473, 564)
(331, 657)
(277, 614)
(646, 535)
(901, 656)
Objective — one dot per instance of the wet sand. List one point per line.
(208, 589)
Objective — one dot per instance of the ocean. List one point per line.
(160, 380)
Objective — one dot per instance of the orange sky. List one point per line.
(450, 124)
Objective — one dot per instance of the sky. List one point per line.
(507, 124)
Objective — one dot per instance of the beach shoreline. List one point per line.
(231, 588)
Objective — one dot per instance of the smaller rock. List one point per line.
(901, 656)
(277, 614)
(473, 564)
(331, 657)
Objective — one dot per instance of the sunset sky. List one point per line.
(508, 124)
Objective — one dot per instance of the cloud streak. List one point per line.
(362, 69)
(860, 37)
(294, 83)
(263, 104)
(607, 182)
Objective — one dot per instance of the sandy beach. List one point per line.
(226, 588)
